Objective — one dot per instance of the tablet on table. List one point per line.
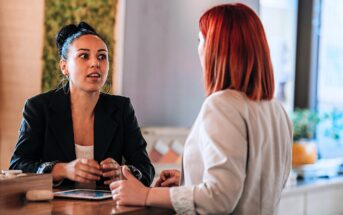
(84, 194)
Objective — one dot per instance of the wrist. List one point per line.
(58, 172)
(146, 203)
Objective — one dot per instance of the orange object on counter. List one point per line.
(304, 153)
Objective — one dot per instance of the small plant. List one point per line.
(304, 124)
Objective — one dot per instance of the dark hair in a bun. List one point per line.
(69, 33)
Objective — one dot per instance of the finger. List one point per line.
(82, 180)
(127, 174)
(90, 162)
(110, 166)
(166, 174)
(87, 175)
(111, 174)
(114, 185)
(158, 183)
(117, 198)
(170, 182)
(89, 169)
(108, 160)
(163, 175)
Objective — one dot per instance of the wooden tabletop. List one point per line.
(76, 207)
(19, 205)
(12, 200)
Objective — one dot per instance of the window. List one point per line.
(330, 78)
(279, 18)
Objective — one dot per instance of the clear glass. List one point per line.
(279, 18)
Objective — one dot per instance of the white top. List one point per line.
(237, 157)
(84, 151)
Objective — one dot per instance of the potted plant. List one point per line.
(304, 147)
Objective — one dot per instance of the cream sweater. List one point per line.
(237, 157)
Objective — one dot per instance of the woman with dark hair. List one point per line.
(237, 156)
(76, 132)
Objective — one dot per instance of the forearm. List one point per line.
(159, 197)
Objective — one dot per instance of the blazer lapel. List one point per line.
(62, 125)
(104, 128)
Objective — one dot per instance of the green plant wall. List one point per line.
(98, 13)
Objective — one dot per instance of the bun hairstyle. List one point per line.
(67, 34)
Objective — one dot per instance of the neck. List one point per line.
(83, 103)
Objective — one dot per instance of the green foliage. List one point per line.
(335, 124)
(100, 14)
(304, 123)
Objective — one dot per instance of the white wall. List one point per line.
(161, 70)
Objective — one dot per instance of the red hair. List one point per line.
(236, 52)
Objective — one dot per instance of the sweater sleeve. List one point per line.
(182, 200)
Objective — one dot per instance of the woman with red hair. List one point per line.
(237, 157)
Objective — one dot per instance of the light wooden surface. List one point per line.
(77, 207)
(12, 201)
(14, 189)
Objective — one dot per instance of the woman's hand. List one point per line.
(168, 178)
(80, 170)
(129, 191)
(111, 170)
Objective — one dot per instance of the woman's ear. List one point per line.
(63, 67)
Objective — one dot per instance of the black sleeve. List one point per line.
(27, 155)
(135, 147)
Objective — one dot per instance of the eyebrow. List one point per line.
(100, 50)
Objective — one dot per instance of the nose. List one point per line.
(95, 64)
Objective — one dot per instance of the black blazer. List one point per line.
(46, 133)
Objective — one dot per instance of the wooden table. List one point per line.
(62, 206)
(76, 207)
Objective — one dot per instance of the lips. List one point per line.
(94, 75)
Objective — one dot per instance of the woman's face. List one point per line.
(201, 49)
(87, 64)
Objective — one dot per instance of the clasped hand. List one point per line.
(133, 192)
(88, 170)
(168, 178)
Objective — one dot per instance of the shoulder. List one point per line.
(224, 108)
(42, 99)
(226, 102)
